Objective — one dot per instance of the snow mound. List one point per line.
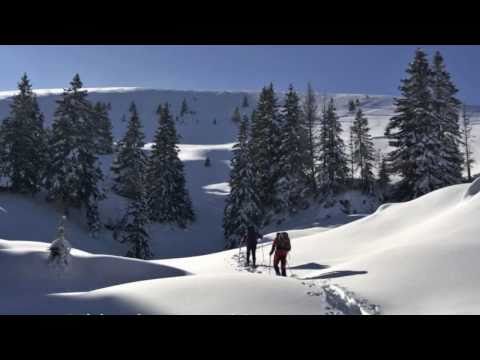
(223, 294)
(25, 271)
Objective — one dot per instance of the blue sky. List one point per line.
(357, 69)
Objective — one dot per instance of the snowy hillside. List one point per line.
(418, 257)
(207, 185)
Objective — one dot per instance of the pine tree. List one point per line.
(351, 106)
(310, 120)
(351, 156)
(414, 134)
(467, 138)
(103, 125)
(236, 117)
(184, 108)
(363, 155)
(242, 206)
(383, 174)
(169, 200)
(130, 157)
(74, 174)
(207, 162)
(446, 110)
(24, 142)
(136, 219)
(333, 169)
(245, 102)
(265, 142)
(60, 248)
(294, 155)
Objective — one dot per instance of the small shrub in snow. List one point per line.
(60, 248)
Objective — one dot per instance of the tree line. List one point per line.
(63, 161)
(290, 154)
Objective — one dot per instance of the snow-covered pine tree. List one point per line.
(236, 117)
(351, 106)
(135, 220)
(129, 157)
(414, 134)
(245, 102)
(310, 119)
(446, 108)
(74, 173)
(292, 187)
(351, 157)
(184, 110)
(333, 168)
(207, 162)
(265, 140)
(383, 174)
(363, 155)
(242, 206)
(103, 125)
(24, 142)
(60, 248)
(467, 137)
(169, 201)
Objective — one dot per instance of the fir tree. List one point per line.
(333, 167)
(245, 102)
(74, 174)
(130, 157)
(207, 162)
(60, 248)
(446, 117)
(363, 155)
(351, 156)
(169, 200)
(351, 106)
(265, 142)
(294, 155)
(310, 120)
(414, 134)
(24, 142)
(135, 220)
(383, 175)
(236, 117)
(466, 131)
(184, 108)
(242, 206)
(103, 125)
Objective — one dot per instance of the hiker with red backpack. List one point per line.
(281, 246)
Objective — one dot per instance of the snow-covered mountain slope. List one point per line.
(33, 219)
(417, 257)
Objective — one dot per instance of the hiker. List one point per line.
(251, 239)
(281, 246)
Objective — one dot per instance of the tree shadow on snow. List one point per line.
(337, 274)
(309, 266)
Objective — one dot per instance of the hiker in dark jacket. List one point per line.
(281, 246)
(251, 239)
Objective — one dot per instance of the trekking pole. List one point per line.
(263, 255)
(269, 264)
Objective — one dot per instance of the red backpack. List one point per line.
(283, 242)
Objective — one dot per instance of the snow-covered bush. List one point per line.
(60, 248)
